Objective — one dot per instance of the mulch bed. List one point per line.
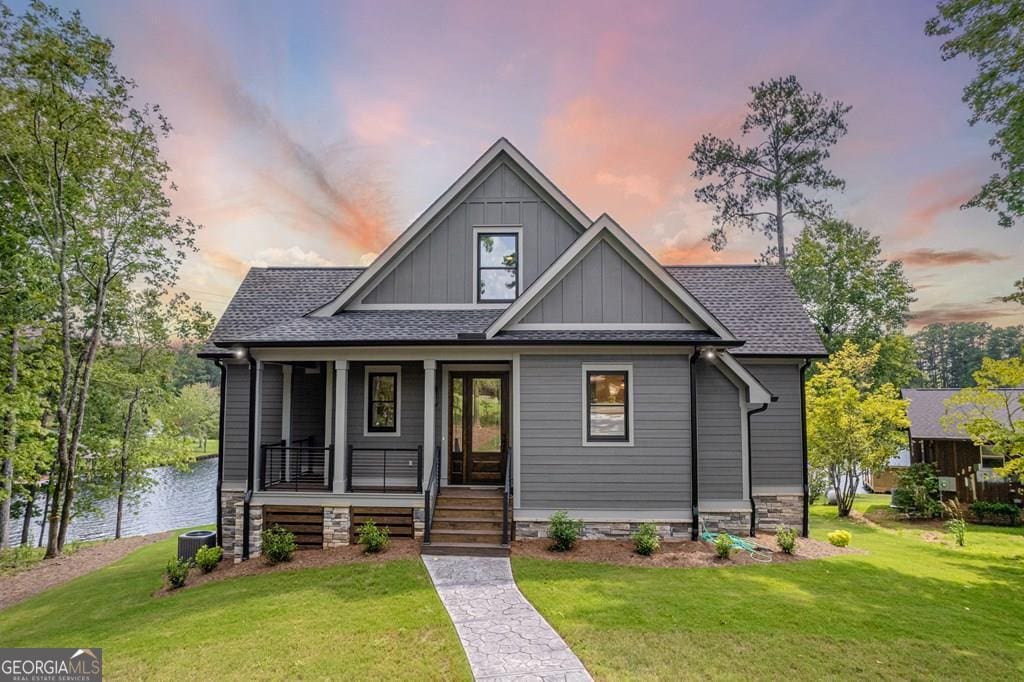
(398, 548)
(53, 572)
(678, 554)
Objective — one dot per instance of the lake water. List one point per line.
(178, 499)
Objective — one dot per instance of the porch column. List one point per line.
(340, 403)
(286, 417)
(429, 384)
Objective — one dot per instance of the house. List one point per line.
(504, 358)
(965, 469)
(886, 480)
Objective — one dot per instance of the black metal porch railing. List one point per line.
(384, 470)
(430, 495)
(296, 467)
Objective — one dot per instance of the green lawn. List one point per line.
(354, 621)
(909, 609)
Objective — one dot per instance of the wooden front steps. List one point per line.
(467, 522)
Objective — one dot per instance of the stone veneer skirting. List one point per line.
(776, 510)
(732, 522)
(228, 500)
(606, 530)
(337, 526)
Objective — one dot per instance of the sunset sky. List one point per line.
(313, 133)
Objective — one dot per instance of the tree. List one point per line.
(193, 413)
(853, 426)
(759, 186)
(849, 291)
(84, 163)
(991, 413)
(949, 354)
(991, 32)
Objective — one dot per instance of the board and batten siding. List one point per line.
(719, 436)
(271, 387)
(440, 268)
(558, 472)
(236, 422)
(776, 435)
(411, 415)
(603, 287)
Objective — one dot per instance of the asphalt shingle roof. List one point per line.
(757, 303)
(928, 406)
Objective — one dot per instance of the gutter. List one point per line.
(220, 451)
(252, 462)
(495, 342)
(694, 488)
(750, 465)
(803, 443)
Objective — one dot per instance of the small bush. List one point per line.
(840, 538)
(786, 537)
(278, 544)
(372, 537)
(917, 492)
(723, 545)
(564, 531)
(207, 558)
(646, 540)
(995, 512)
(177, 572)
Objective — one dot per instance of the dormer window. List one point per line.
(497, 266)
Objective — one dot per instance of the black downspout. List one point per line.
(220, 452)
(694, 512)
(803, 441)
(252, 462)
(750, 468)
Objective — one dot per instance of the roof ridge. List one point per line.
(312, 267)
(766, 266)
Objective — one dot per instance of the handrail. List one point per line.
(381, 471)
(430, 496)
(504, 498)
(287, 467)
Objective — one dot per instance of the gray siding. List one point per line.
(440, 268)
(270, 403)
(719, 436)
(411, 424)
(776, 435)
(558, 472)
(603, 287)
(236, 422)
(308, 404)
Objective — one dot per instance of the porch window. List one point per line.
(497, 263)
(607, 406)
(382, 391)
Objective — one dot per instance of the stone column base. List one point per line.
(337, 526)
(228, 500)
(776, 510)
(732, 522)
(606, 530)
(255, 531)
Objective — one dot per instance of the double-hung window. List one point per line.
(382, 389)
(607, 394)
(497, 266)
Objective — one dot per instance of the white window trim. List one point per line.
(630, 407)
(497, 229)
(373, 369)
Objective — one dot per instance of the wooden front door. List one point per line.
(477, 427)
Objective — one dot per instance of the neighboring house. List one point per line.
(886, 480)
(507, 342)
(965, 469)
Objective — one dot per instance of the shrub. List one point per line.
(372, 537)
(176, 572)
(917, 492)
(207, 558)
(840, 538)
(564, 531)
(646, 540)
(278, 544)
(817, 484)
(955, 524)
(723, 545)
(786, 537)
(998, 512)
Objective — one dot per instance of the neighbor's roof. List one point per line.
(928, 406)
(758, 304)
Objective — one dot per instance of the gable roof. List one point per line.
(606, 228)
(398, 246)
(928, 406)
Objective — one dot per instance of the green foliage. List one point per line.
(372, 537)
(948, 355)
(852, 426)
(786, 537)
(955, 522)
(757, 187)
(917, 491)
(564, 531)
(723, 545)
(817, 484)
(990, 33)
(840, 538)
(278, 544)
(995, 512)
(850, 291)
(646, 540)
(207, 558)
(177, 572)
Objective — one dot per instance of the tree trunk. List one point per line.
(60, 465)
(10, 441)
(26, 520)
(122, 482)
(780, 234)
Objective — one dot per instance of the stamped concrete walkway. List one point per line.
(503, 635)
